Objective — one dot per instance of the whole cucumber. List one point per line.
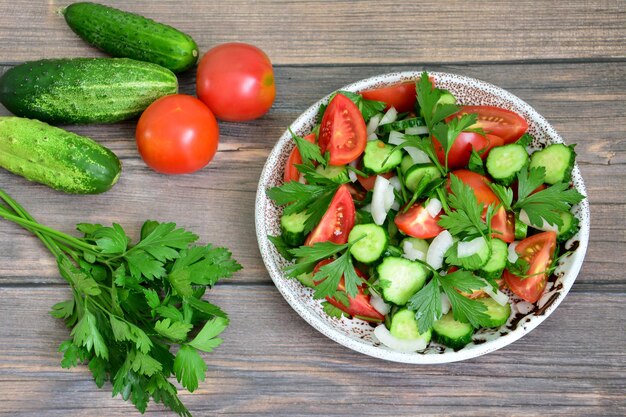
(84, 90)
(55, 157)
(124, 34)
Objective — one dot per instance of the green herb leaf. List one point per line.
(86, 334)
(333, 311)
(174, 330)
(111, 240)
(466, 220)
(310, 152)
(281, 246)
(368, 108)
(427, 304)
(465, 309)
(207, 339)
(189, 367)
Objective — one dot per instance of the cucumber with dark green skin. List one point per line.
(55, 157)
(84, 90)
(127, 35)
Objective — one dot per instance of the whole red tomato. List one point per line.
(236, 81)
(177, 134)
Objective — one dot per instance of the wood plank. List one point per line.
(355, 32)
(572, 364)
(585, 102)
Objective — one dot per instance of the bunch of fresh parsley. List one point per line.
(132, 303)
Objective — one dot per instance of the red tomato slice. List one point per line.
(417, 222)
(538, 250)
(359, 305)
(401, 96)
(479, 184)
(291, 172)
(504, 123)
(368, 182)
(342, 131)
(503, 225)
(461, 150)
(337, 221)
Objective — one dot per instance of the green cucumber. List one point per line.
(419, 175)
(498, 314)
(497, 260)
(84, 90)
(402, 124)
(452, 333)
(292, 228)
(380, 157)
(127, 35)
(404, 326)
(400, 278)
(369, 242)
(569, 227)
(557, 160)
(56, 158)
(504, 162)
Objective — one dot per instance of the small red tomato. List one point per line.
(177, 134)
(236, 81)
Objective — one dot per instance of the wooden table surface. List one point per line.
(567, 59)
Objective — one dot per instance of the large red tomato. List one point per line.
(177, 134)
(236, 81)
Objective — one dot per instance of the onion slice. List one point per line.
(372, 136)
(465, 249)
(389, 117)
(372, 125)
(411, 253)
(386, 338)
(438, 248)
(418, 156)
(512, 256)
(379, 304)
(434, 207)
(395, 183)
(498, 296)
(351, 173)
(445, 304)
(382, 199)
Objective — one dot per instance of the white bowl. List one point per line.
(358, 335)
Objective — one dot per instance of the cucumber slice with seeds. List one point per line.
(400, 278)
(404, 326)
(497, 261)
(334, 173)
(558, 161)
(380, 157)
(369, 242)
(504, 162)
(452, 333)
(569, 227)
(419, 175)
(498, 314)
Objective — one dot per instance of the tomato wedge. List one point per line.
(538, 251)
(401, 96)
(461, 149)
(506, 124)
(417, 222)
(503, 225)
(480, 185)
(337, 221)
(368, 182)
(291, 172)
(359, 305)
(342, 131)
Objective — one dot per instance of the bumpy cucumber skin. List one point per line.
(54, 157)
(127, 35)
(84, 90)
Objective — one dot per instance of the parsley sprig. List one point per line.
(132, 304)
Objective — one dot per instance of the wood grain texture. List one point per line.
(355, 32)
(573, 364)
(567, 59)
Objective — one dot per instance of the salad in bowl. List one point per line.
(429, 219)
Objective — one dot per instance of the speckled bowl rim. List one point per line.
(268, 253)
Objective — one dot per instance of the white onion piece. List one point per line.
(416, 130)
(438, 248)
(524, 307)
(418, 156)
(465, 249)
(434, 207)
(301, 179)
(546, 227)
(372, 125)
(395, 206)
(367, 208)
(411, 253)
(352, 174)
(513, 256)
(445, 304)
(498, 296)
(372, 136)
(379, 198)
(379, 304)
(545, 297)
(389, 117)
(390, 197)
(395, 183)
(400, 345)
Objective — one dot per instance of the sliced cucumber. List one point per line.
(406, 164)
(292, 227)
(498, 314)
(470, 262)
(558, 161)
(419, 175)
(446, 98)
(521, 229)
(380, 157)
(404, 326)
(334, 173)
(400, 279)
(497, 261)
(504, 162)
(569, 227)
(414, 248)
(369, 242)
(401, 124)
(452, 333)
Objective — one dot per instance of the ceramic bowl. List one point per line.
(358, 335)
